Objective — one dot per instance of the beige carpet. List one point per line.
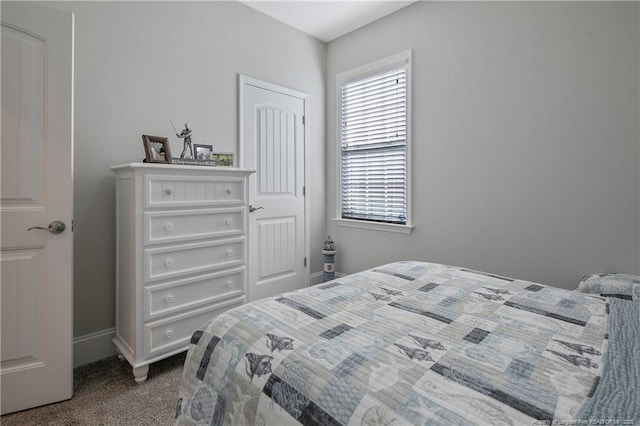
(105, 394)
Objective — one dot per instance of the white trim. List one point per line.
(93, 347)
(352, 74)
(375, 66)
(244, 80)
(316, 278)
(307, 198)
(376, 226)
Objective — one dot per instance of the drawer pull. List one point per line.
(169, 334)
(169, 262)
(229, 191)
(168, 299)
(168, 191)
(229, 284)
(169, 226)
(229, 221)
(229, 253)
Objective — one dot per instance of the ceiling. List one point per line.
(329, 19)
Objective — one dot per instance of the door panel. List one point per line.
(21, 286)
(274, 145)
(37, 188)
(22, 117)
(276, 241)
(277, 152)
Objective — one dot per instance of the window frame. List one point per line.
(356, 74)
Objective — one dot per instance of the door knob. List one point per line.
(252, 208)
(55, 227)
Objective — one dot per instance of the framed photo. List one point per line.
(222, 159)
(202, 152)
(156, 149)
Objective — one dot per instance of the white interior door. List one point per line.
(273, 144)
(37, 189)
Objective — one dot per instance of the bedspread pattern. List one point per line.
(617, 397)
(399, 344)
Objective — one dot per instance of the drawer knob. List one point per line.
(169, 298)
(169, 334)
(168, 191)
(229, 221)
(229, 253)
(169, 262)
(169, 226)
(229, 191)
(229, 284)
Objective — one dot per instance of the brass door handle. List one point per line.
(55, 227)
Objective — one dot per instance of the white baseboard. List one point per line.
(317, 278)
(93, 347)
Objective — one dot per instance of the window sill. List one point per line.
(375, 226)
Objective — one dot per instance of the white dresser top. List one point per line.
(179, 167)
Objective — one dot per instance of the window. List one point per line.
(373, 110)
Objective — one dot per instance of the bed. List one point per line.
(417, 343)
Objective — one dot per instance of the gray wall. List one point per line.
(139, 63)
(525, 124)
(525, 137)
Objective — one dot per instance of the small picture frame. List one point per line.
(156, 149)
(224, 159)
(202, 152)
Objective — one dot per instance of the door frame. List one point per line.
(243, 81)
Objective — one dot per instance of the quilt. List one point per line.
(404, 343)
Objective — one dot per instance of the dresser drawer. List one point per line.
(167, 191)
(170, 226)
(168, 262)
(168, 335)
(190, 293)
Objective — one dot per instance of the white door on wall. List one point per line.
(273, 144)
(37, 190)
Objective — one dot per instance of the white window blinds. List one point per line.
(374, 147)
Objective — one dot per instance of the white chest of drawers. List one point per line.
(180, 255)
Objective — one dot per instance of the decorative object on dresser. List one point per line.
(192, 162)
(181, 250)
(222, 158)
(187, 150)
(202, 152)
(156, 149)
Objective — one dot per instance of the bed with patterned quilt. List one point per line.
(417, 343)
